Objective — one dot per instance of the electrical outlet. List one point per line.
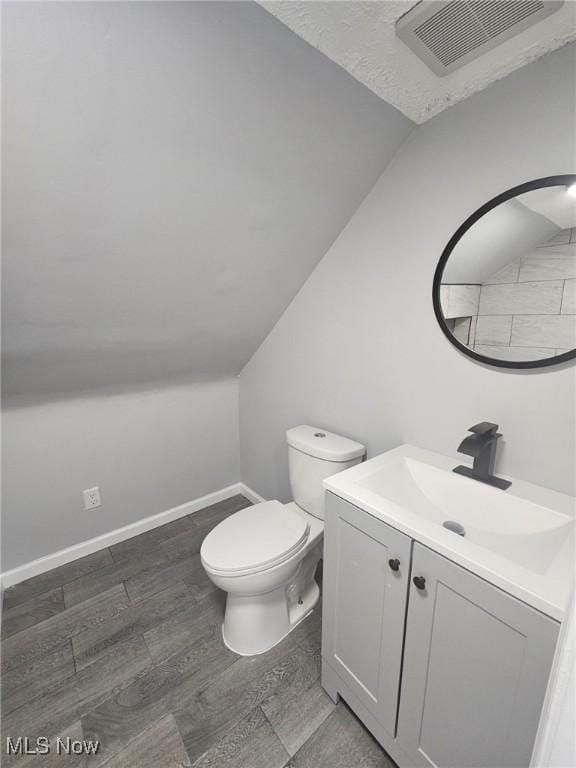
(92, 498)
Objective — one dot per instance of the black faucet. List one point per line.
(482, 446)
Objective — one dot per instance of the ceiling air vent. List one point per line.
(446, 34)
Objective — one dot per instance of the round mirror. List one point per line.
(505, 287)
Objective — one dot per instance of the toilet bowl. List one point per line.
(269, 578)
(265, 556)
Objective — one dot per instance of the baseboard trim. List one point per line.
(254, 497)
(63, 556)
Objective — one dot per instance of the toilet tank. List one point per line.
(314, 454)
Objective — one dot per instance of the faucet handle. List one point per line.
(484, 428)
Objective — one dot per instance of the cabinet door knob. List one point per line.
(394, 564)
(419, 582)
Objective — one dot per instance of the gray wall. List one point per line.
(147, 451)
(359, 350)
(173, 171)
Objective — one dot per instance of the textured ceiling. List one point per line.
(360, 37)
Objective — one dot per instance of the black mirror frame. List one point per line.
(547, 181)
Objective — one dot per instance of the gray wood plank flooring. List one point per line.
(124, 646)
(55, 578)
(33, 611)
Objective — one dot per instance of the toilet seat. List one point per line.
(254, 539)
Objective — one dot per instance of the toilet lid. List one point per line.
(264, 534)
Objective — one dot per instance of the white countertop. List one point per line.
(545, 586)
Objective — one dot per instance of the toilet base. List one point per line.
(250, 629)
(253, 624)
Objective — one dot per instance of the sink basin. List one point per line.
(520, 530)
(521, 539)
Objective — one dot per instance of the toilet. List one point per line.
(265, 556)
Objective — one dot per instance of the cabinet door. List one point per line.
(364, 605)
(476, 664)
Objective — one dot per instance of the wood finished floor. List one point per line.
(124, 646)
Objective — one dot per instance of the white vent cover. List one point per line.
(446, 34)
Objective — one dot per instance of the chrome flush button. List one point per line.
(319, 434)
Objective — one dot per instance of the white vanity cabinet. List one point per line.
(447, 674)
(476, 664)
(366, 569)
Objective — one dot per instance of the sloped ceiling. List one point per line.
(173, 171)
(361, 37)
